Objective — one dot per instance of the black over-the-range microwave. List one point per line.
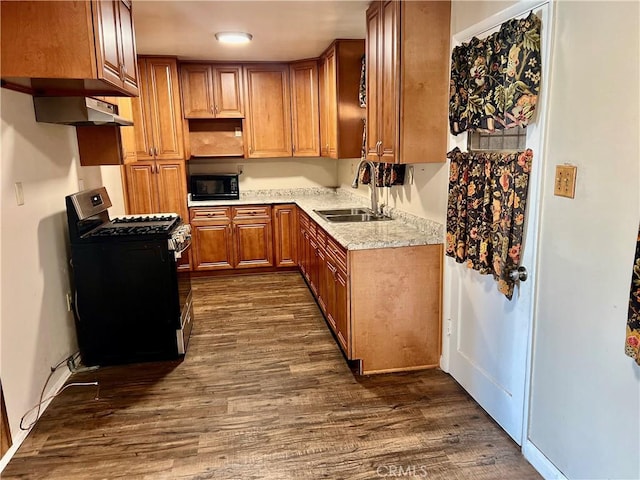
(220, 186)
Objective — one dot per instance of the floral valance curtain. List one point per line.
(495, 80)
(632, 343)
(486, 211)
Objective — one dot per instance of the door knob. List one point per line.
(519, 274)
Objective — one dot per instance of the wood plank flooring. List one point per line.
(264, 393)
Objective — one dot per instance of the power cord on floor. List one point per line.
(71, 365)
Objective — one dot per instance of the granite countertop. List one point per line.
(402, 231)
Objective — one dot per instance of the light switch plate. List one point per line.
(19, 193)
(565, 182)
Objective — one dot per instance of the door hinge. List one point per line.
(448, 328)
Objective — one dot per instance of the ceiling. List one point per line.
(282, 30)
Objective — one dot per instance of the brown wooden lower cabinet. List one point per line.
(383, 305)
(211, 232)
(252, 236)
(226, 238)
(284, 235)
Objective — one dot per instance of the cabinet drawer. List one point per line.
(337, 253)
(321, 238)
(210, 213)
(303, 220)
(311, 229)
(252, 211)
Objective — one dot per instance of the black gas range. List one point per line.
(131, 304)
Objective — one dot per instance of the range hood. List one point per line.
(77, 111)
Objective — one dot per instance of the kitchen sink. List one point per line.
(351, 215)
(363, 217)
(343, 211)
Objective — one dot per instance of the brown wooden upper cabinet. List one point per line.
(69, 48)
(211, 90)
(341, 117)
(268, 119)
(407, 51)
(157, 116)
(108, 145)
(157, 187)
(304, 109)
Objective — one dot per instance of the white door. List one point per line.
(488, 337)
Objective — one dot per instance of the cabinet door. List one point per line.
(141, 188)
(373, 80)
(141, 107)
(341, 312)
(268, 119)
(128, 134)
(128, 48)
(253, 245)
(304, 109)
(307, 255)
(227, 83)
(196, 83)
(213, 246)
(285, 235)
(172, 188)
(314, 267)
(108, 47)
(164, 105)
(389, 76)
(324, 115)
(331, 104)
(327, 288)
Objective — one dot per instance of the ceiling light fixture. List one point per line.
(233, 37)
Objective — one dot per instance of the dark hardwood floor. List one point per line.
(264, 393)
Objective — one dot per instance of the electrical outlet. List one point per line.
(565, 182)
(240, 169)
(69, 301)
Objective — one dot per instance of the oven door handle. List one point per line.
(178, 253)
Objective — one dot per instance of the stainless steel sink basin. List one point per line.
(350, 215)
(363, 217)
(343, 211)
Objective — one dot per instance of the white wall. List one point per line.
(36, 331)
(425, 197)
(585, 393)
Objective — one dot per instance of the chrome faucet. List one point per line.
(372, 184)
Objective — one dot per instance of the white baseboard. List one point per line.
(540, 462)
(22, 434)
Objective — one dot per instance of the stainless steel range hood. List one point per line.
(77, 111)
